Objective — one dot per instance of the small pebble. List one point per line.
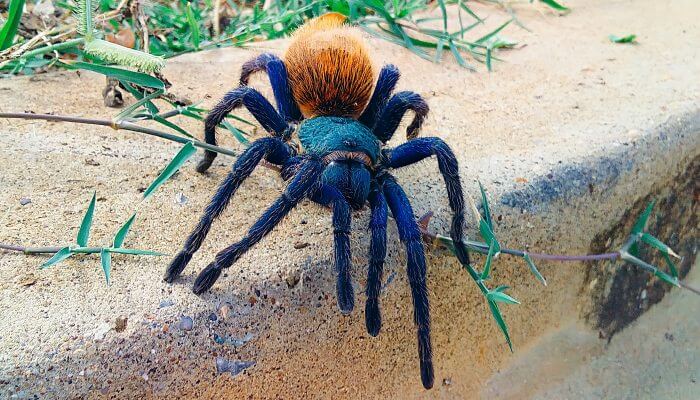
(234, 367)
(213, 317)
(180, 199)
(166, 303)
(186, 323)
(225, 310)
(293, 278)
(300, 245)
(120, 323)
(24, 201)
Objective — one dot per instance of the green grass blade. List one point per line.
(489, 260)
(470, 12)
(501, 323)
(236, 133)
(122, 232)
(534, 269)
(553, 4)
(659, 245)
(171, 125)
(129, 111)
(499, 296)
(136, 252)
(194, 27)
(138, 78)
(485, 205)
(152, 109)
(501, 288)
(488, 59)
(58, 257)
(106, 259)
(623, 39)
(493, 33)
(489, 236)
(183, 155)
(9, 29)
(458, 56)
(443, 10)
(667, 278)
(84, 232)
(671, 265)
(641, 222)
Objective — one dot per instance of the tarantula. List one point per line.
(323, 91)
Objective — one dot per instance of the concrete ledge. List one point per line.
(571, 136)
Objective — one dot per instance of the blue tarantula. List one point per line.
(323, 91)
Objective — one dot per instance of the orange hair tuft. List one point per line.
(329, 68)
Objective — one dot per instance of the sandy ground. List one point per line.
(568, 96)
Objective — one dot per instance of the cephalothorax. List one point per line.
(323, 91)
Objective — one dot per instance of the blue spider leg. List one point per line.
(386, 82)
(330, 196)
(377, 253)
(305, 181)
(390, 116)
(261, 109)
(410, 235)
(418, 149)
(277, 72)
(272, 150)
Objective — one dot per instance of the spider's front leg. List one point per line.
(256, 103)
(272, 150)
(303, 183)
(330, 196)
(418, 149)
(390, 116)
(410, 236)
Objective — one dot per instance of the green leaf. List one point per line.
(152, 109)
(106, 259)
(499, 296)
(183, 155)
(194, 27)
(137, 252)
(138, 78)
(489, 236)
(533, 269)
(501, 288)
(129, 111)
(671, 265)
(458, 56)
(443, 10)
(640, 225)
(9, 29)
(493, 33)
(659, 245)
(171, 125)
(501, 323)
(58, 257)
(235, 132)
(485, 205)
(667, 278)
(84, 232)
(123, 231)
(553, 4)
(489, 259)
(488, 59)
(624, 39)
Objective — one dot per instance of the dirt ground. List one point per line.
(567, 96)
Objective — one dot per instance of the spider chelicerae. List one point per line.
(323, 91)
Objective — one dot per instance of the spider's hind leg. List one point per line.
(272, 150)
(303, 182)
(256, 103)
(410, 235)
(277, 72)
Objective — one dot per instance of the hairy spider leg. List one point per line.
(392, 113)
(377, 253)
(410, 236)
(277, 73)
(418, 149)
(328, 195)
(386, 82)
(258, 105)
(304, 182)
(271, 149)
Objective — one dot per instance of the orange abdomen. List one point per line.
(329, 68)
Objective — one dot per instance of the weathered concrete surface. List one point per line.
(570, 136)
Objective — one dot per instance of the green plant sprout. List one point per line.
(623, 39)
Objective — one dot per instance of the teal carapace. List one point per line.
(321, 135)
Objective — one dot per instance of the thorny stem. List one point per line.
(428, 236)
